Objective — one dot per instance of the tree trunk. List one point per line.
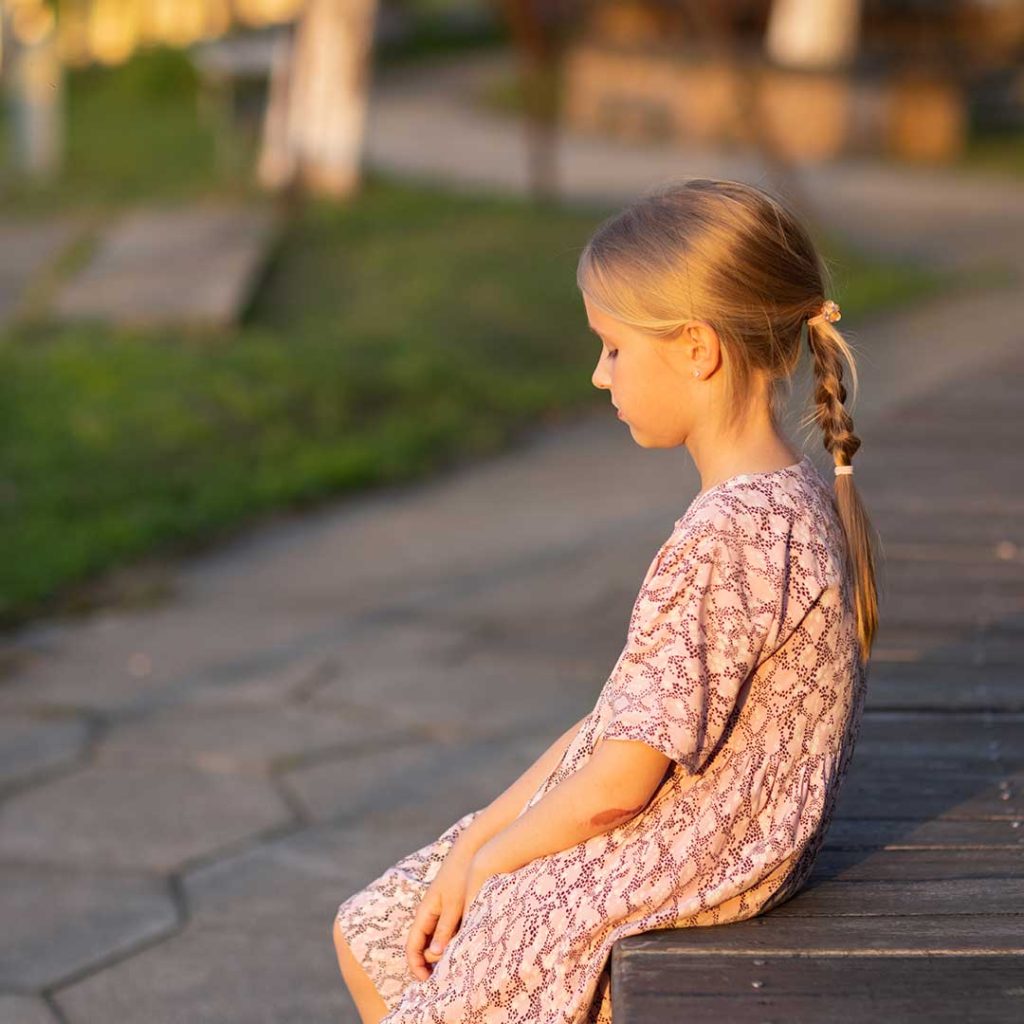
(34, 81)
(538, 55)
(813, 33)
(316, 109)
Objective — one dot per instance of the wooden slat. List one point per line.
(917, 864)
(838, 935)
(957, 694)
(995, 644)
(936, 527)
(963, 788)
(906, 897)
(951, 608)
(940, 735)
(900, 834)
(712, 989)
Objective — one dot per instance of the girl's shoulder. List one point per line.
(761, 519)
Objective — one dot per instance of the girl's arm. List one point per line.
(616, 783)
(503, 809)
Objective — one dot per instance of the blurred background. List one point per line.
(203, 271)
(288, 287)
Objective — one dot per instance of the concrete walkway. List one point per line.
(190, 790)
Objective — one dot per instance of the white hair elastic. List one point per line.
(843, 469)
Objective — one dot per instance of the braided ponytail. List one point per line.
(829, 351)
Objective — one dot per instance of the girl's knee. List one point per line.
(350, 968)
(368, 1000)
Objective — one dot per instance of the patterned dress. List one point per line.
(741, 665)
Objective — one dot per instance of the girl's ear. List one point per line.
(700, 347)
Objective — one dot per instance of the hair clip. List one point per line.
(829, 311)
(841, 470)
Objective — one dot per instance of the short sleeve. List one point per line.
(695, 636)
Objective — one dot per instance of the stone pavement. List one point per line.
(193, 265)
(190, 790)
(173, 265)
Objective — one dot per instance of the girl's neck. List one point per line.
(754, 452)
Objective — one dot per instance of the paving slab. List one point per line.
(482, 692)
(31, 746)
(252, 741)
(127, 673)
(270, 685)
(274, 973)
(451, 777)
(193, 265)
(59, 923)
(306, 875)
(152, 817)
(25, 1010)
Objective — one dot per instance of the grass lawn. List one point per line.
(390, 337)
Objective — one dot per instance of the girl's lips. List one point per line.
(618, 412)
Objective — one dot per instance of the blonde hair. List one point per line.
(734, 256)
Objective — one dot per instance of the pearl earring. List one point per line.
(696, 373)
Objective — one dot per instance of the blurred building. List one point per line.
(813, 79)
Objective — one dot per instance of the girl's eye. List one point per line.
(612, 354)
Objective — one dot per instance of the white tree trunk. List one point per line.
(34, 79)
(813, 33)
(316, 111)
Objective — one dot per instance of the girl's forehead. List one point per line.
(601, 323)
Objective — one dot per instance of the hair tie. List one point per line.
(829, 311)
(843, 469)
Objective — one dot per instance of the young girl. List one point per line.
(699, 788)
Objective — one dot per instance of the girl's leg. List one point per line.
(368, 1001)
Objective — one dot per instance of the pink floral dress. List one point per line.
(741, 665)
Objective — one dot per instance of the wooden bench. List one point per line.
(927, 928)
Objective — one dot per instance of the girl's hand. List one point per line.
(439, 913)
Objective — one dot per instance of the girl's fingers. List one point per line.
(419, 933)
(444, 930)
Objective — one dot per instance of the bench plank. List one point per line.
(944, 834)
(896, 787)
(775, 989)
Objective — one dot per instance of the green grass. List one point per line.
(133, 133)
(391, 336)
